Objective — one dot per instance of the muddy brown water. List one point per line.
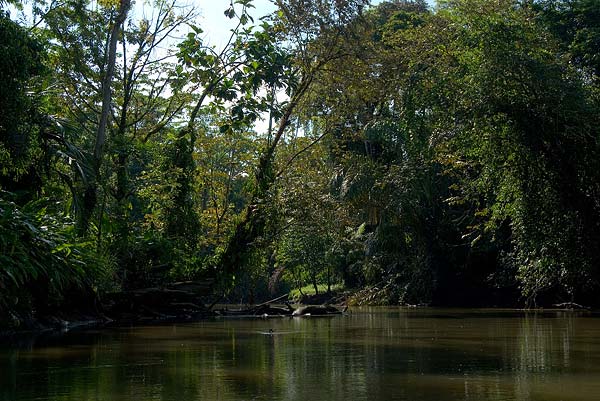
(370, 354)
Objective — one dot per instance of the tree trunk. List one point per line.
(315, 285)
(252, 226)
(90, 194)
(115, 32)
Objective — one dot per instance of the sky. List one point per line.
(217, 26)
(212, 19)
(214, 23)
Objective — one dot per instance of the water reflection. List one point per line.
(372, 354)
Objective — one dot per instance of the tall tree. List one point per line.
(21, 142)
(313, 32)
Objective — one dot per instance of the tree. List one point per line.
(575, 24)
(42, 264)
(224, 165)
(137, 111)
(311, 222)
(21, 142)
(467, 144)
(314, 30)
(521, 124)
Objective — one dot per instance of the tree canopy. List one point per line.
(443, 155)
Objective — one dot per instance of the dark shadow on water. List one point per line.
(371, 354)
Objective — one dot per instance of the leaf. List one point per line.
(230, 13)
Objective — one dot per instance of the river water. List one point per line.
(370, 354)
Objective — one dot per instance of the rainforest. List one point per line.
(397, 153)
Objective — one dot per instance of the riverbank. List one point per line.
(152, 306)
(186, 302)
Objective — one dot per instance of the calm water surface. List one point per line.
(371, 354)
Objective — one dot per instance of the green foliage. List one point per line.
(20, 142)
(42, 259)
(432, 156)
(576, 24)
(523, 123)
(297, 293)
(468, 143)
(223, 177)
(303, 255)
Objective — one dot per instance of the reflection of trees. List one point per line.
(358, 357)
(544, 346)
(322, 366)
(8, 377)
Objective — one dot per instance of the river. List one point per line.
(371, 354)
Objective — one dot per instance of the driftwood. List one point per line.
(317, 310)
(197, 287)
(265, 310)
(181, 301)
(156, 303)
(571, 305)
(284, 296)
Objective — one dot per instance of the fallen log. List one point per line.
(197, 287)
(284, 296)
(269, 310)
(571, 305)
(158, 303)
(263, 309)
(317, 310)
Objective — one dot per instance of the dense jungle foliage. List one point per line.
(445, 155)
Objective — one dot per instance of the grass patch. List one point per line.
(310, 290)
